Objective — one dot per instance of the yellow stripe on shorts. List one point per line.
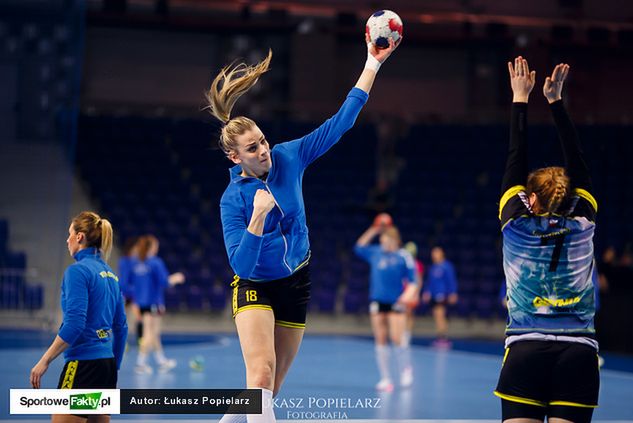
(520, 399)
(236, 279)
(252, 307)
(69, 377)
(292, 325)
(572, 404)
(505, 356)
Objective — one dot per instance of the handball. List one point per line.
(197, 363)
(382, 25)
(383, 220)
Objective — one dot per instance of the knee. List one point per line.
(262, 373)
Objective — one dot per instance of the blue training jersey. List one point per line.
(549, 265)
(149, 279)
(94, 322)
(441, 280)
(284, 246)
(125, 269)
(389, 271)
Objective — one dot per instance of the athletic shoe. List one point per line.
(166, 365)
(442, 344)
(384, 385)
(406, 377)
(143, 369)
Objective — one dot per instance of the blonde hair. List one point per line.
(98, 231)
(551, 186)
(236, 80)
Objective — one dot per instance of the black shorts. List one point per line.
(549, 378)
(287, 298)
(158, 309)
(378, 307)
(89, 374)
(439, 300)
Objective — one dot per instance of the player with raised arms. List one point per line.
(392, 286)
(548, 223)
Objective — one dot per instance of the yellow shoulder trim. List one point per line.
(572, 404)
(583, 193)
(292, 325)
(511, 192)
(520, 400)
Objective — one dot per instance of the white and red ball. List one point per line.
(382, 25)
(383, 220)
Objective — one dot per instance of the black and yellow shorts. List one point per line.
(549, 378)
(287, 298)
(89, 374)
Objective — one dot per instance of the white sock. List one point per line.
(382, 358)
(160, 356)
(141, 360)
(233, 418)
(268, 414)
(406, 338)
(403, 357)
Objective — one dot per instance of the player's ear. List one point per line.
(234, 157)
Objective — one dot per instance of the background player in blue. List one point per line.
(149, 277)
(392, 285)
(412, 248)
(126, 261)
(551, 365)
(93, 331)
(264, 223)
(440, 290)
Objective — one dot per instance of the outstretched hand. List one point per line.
(553, 86)
(521, 80)
(381, 54)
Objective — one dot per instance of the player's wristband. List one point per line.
(372, 63)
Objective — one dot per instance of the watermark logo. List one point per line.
(64, 401)
(87, 401)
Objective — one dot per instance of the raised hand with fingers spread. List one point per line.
(553, 86)
(521, 80)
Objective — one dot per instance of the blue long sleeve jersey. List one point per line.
(389, 272)
(441, 280)
(284, 246)
(149, 279)
(124, 271)
(94, 322)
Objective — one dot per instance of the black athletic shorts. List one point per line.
(378, 307)
(89, 374)
(288, 297)
(549, 378)
(158, 309)
(439, 300)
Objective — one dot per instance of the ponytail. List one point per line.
(236, 80)
(551, 186)
(559, 194)
(106, 238)
(98, 231)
